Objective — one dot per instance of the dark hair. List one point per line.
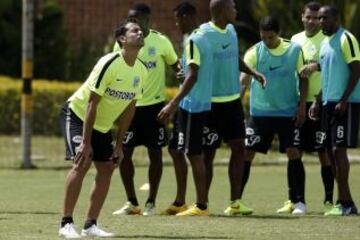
(141, 8)
(332, 9)
(269, 23)
(184, 8)
(122, 29)
(312, 6)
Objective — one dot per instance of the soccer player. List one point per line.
(145, 129)
(194, 101)
(340, 72)
(275, 110)
(226, 118)
(311, 135)
(107, 96)
(186, 21)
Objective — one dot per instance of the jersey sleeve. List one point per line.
(192, 53)
(170, 55)
(350, 47)
(250, 57)
(100, 77)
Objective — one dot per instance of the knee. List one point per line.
(105, 169)
(293, 153)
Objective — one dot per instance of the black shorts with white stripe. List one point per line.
(72, 128)
(191, 131)
(341, 130)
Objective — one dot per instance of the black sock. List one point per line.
(150, 201)
(290, 177)
(89, 223)
(178, 204)
(347, 204)
(133, 201)
(66, 220)
(202, 206)
(299, 180)
(245, 178)
(328, 181)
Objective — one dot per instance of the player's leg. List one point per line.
(191, 143)
(154, 138)
(71, 127)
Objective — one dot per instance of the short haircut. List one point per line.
(269, 23)
(312, 6)
(184, 8)
(333, 10)
(141, 8)
(122, 29)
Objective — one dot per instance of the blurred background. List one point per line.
(70, 36)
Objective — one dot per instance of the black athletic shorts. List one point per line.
(224, 122)
(72, 128)
(261, 130)
(145, 129)
(312, 137)
(341, 131)
(191, 131)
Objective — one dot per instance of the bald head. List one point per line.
(223, 10)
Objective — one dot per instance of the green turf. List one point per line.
(30, 208)
(48, 152)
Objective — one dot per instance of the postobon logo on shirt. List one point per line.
(120, 94)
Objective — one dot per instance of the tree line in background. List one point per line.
(53, 58)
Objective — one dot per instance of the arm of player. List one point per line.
(301, 113)
(123, 123)
(340, 108)
(258, 76)
(84, 154)
(315, 107)
(169, 110)
(244, 81)
(309, 69)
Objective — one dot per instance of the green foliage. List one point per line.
(48, 98)
(50, 46)
(10, 37)
(289, 15)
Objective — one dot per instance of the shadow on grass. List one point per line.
(29, 212)
(168, 237)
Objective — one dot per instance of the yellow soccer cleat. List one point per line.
(287, 208)
(238, 207)
(128, 209)
(173, 210)
(327, 207)
(194, 211)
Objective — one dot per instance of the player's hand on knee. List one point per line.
(83, 156)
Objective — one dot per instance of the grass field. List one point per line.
(30, 208)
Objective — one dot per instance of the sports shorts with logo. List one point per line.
(312, 137)
(224, 122)
(260, 133)
(341, 130)
(72, 129)
(191, 131)
(145, 129)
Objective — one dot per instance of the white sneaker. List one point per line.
(128, 209)
(149, 209)
(299, 209)
(68, 231)
(94, 231)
